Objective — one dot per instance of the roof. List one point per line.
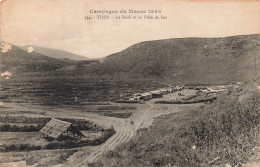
(54, 128)
(163, 90)
(146, 94)
(156, 92)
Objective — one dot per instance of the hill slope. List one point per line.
(18, 61)
(196, 60)
(216, 134)
(56, 53)
(183, 61)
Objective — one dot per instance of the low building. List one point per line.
(204, 90)
(56, 128)
(146, 96)
(156, 94)
(135, 98)
(163, 91)
(138, 97)
(169, 90)
(214, 90)
(178, 88)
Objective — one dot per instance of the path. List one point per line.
(123, 134)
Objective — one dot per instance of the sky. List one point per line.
(61, 24)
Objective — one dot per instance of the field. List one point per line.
(20, 139)
(79, 102)
(70, 90)
(163, 133)
(29, 137)
(27, 104)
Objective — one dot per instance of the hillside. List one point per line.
(221, 133)
(176, 61)
(188, 60)
(55, 53)
(17, 60)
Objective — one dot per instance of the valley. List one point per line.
(172, 102)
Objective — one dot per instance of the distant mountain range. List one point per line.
(181, 60)
(55, 53)
(17, 60)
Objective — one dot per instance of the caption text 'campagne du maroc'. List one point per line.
(125, 14)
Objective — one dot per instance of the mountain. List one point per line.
(187, 60)
(55, 53)
(17, 60)
(180, 60)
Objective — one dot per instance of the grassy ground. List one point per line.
(224, 132)
(58, 90)
(40, 157)
(29, 140)
(34, 115)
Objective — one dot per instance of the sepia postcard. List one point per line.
(129, 83)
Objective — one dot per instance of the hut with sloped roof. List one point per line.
(57, 129)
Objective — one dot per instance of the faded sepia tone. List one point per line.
(60, 23)
(171, 83)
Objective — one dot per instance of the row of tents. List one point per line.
(155, 94)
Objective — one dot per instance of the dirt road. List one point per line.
(123, 134)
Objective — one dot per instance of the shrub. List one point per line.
(210, 99)
(19, 147)
(15, 128)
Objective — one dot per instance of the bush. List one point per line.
(15, 128)
(60, 145)
(118, 115)
(19, 147)
(210, 99)
(130, 101)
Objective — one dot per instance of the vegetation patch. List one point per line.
(66, 144)
(201, 100)
(18, 124)
(130, 101)
(117, 114)
(68, 90)
(115, 111)
(81, 124)
(15, 128)
(116, 108)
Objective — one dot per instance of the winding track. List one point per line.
(123, 134)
